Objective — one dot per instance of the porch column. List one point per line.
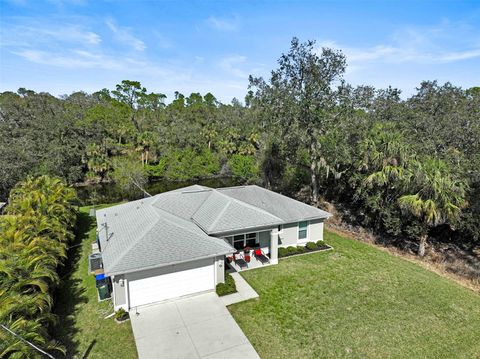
(274, 246)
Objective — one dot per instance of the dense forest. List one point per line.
(405, 167)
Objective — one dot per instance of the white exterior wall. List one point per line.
(220, 269)
(289, 234)
(119, 292)
(316, 230)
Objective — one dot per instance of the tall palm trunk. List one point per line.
(313, 172)
(423, 245)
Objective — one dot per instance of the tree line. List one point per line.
(34, 235)
(406, 167)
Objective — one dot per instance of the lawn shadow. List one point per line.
(89, 349)
(71, 293)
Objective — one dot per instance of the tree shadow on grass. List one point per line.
(71, 292)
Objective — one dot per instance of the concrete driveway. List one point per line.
(195, 327)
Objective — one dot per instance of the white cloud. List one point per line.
(445, 43)
(462, 55)
(123, 34)
(35, 33)
(224, 24)
(232, 65)
(72, 59)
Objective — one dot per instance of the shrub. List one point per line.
(228, 287)
(311, 246)
(121, 315)
(292, 250)
(282, 252)
(320, 243)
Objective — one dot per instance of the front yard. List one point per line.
(358, 301)
(355, 301)
(81, 325)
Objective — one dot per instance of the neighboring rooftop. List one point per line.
(177, 226)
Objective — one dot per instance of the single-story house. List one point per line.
(175, 243)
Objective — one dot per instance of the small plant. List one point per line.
(121, 315)
(282, 252)
(291, 250)
(320, 243)
(226, 288)
(311, 246)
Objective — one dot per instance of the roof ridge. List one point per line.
(248, 204)
(219, 216)
(181, 219)
(132, 244)
(282, 195)
(199, 207)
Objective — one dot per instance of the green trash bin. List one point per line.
(103, 292)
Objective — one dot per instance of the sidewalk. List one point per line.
(244, 291)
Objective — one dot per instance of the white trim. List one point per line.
(307, 238)
(127, 292)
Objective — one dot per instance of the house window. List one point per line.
(302, 230)
(251, 240)
(241, 241)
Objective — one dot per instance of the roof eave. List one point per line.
(267, 226)
(113, 273)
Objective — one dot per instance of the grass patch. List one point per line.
(228, 287)
(81, 325)
(358, 301)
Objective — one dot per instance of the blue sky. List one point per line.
(192, 46)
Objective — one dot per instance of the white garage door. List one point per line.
(174, 281)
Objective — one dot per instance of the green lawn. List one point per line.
(358, 301)
(81, 324)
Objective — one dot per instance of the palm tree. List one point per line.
(436, 197)
(34, 235)
(35, 331)
(384, 162)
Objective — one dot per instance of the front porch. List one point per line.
(240, 261)
(254, 250)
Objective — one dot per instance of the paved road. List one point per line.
(195, 327)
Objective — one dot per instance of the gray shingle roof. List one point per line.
(220, 213)
(286, 208)
(174, 227)
(141, 236)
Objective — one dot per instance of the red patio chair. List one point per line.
(261, 256)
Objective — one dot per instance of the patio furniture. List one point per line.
(239, 260)
(261, 256)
